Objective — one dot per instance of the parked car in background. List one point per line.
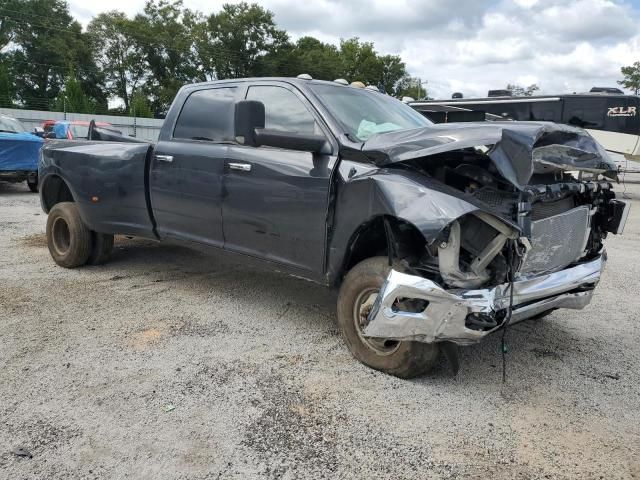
(73, 129)
(19, 150)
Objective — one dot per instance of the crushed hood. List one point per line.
(517, 149)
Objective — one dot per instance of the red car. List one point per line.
(71, 129)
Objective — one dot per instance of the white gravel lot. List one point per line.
(169, 364)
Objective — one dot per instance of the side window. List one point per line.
(585, 112)
(207, 115)
(545, 111)
(586, 118)
(283, 110)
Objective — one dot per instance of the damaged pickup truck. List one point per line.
(435, 235)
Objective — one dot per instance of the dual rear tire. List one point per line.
(70, 242)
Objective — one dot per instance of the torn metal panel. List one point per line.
(518, 150)
(403, 194)
(445, 316)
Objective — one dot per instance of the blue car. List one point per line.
(19, 151)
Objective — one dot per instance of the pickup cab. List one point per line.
(434, 235)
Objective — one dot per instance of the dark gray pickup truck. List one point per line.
(435, 235)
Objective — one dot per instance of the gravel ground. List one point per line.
(166, 363)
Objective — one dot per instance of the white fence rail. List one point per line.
(142, 128)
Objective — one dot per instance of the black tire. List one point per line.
(33, 186)
(101, 247)
(68, 238)
(401, 359)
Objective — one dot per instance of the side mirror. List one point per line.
(51, 135)
(38, 131)
(249, 130)
(249, 115)
(292, 141)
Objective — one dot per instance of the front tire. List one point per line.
(357, 293)
(68, 238)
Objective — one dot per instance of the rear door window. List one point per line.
(207, 115)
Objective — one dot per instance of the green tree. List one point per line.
(240, 36)
(9, 10)
(631, 78)
(163, 35)
(411, 87)
(72, 98)
(44, 39)
(393, 71)
(318, 59)
(140, 105)
(360, 61)
(116, 52)
(7, 92)
(519, 91)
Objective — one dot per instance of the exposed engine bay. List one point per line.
(558, 219)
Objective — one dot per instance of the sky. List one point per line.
(468, 46)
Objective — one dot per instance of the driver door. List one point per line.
(275, 200)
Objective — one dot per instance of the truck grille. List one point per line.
(540, 210)
(557, 241)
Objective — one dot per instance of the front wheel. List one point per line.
(355, 300)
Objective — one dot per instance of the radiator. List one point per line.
(557, 241)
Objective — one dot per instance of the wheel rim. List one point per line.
(61, 236)
(361, 309)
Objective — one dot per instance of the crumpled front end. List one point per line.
(543, 204)
(481, 272)
(466, 316)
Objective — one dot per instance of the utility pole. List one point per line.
(64, 106)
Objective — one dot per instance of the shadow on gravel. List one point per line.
(537, 343)
(9, 188)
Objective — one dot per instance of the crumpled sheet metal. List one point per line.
(445, 315)
(516, 147)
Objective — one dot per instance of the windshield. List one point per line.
(363, 113)
(11, 125)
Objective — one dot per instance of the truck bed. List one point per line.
(109, 182)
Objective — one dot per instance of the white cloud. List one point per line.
(469, 45)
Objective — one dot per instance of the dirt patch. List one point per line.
(145, 339)
(36, 240)
(15, 300)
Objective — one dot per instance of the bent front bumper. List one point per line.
(445, 316)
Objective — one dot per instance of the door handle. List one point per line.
(164, 158)
(243, 167)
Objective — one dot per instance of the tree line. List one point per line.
(48, 61)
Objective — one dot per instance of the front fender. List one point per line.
(407, 195)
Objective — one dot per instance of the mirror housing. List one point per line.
(291, 141)
(249, 115)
